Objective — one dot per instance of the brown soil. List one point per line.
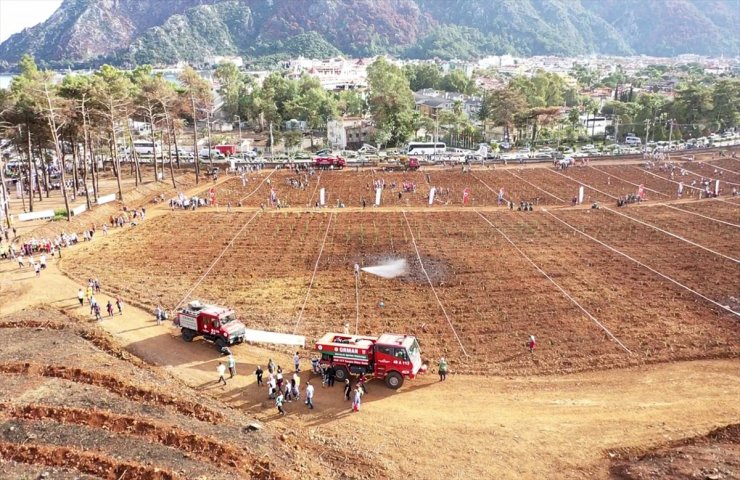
(572, 409)
(714, 456)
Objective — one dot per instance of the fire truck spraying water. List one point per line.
(389, 357)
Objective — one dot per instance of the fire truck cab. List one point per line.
(215, 324)
(389, 357)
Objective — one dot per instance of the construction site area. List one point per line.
(634, 308)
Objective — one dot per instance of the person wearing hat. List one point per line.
(442, 369)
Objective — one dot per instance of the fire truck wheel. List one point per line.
(220, 344)
(394, 380)
(187, 335)
(341, 374)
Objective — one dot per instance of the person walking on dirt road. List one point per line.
(81, 296)
(98, 317)
(109, 308)
(221, 370)
(119, 305)
(37, 269)
(442, 369)
(270, 366)
(232, 366)
(279, 403)
(258, 373)
(309, 395)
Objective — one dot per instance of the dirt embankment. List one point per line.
(715, 456)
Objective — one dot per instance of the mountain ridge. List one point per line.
(141, 31)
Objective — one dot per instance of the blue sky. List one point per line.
(15, 15)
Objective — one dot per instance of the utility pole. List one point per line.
(616, 129)
(670, 135)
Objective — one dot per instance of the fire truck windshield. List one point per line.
(227, 318)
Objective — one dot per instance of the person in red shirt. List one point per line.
(532, 344)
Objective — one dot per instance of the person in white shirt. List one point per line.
(297, 362)
(221, 369)
(309, 395)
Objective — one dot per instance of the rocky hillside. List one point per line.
(149, 31)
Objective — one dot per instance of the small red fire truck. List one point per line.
(389, 357)
(216, 324)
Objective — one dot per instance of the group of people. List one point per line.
(93, 287)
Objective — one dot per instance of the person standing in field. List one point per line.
(347, 389)
(109, 307)
(532, 344)
(442, 369)
(119, 305)
(297, 361)
(81, 296)
(221, 370)
(258, 373)
(357, 400)
(309, 395)
(232, 366)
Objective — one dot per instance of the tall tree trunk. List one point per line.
(43, 175)
(135, 166)
(74, 167)
(30, 171)
(169, 151)
(86, 153)
(195, 141)
(150, 119)
(6, 197)
(114, 157)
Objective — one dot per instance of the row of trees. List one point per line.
(87, 118)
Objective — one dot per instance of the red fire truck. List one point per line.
(326, 162)
(215, 324)
(389, 357)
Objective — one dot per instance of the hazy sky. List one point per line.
(15, 15)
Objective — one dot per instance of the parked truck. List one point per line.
(326, 162)
(403, 164)
(389, 357)
(215, 324)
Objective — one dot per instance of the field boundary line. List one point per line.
(627, 181)
(418, 255)
(310, 200)
(357, 304)
(228, 245)
(259, 186)
(708, 162)
(562, 290)
(663, 275)
(489, 187)
(581, 183)
(707, 176)
(679, 237)
(667, 179)
(699, 214)
(313, 275)
(535, 186)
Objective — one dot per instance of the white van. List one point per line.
(146, 147)
(633, 141)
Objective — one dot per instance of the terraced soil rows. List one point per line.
(717, 236)
(636, 176)
(724, 211)
(656, 320)
(551, 181)
(698, 269)
(610, 184)
(112, 444)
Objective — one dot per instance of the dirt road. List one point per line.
(466, 427)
